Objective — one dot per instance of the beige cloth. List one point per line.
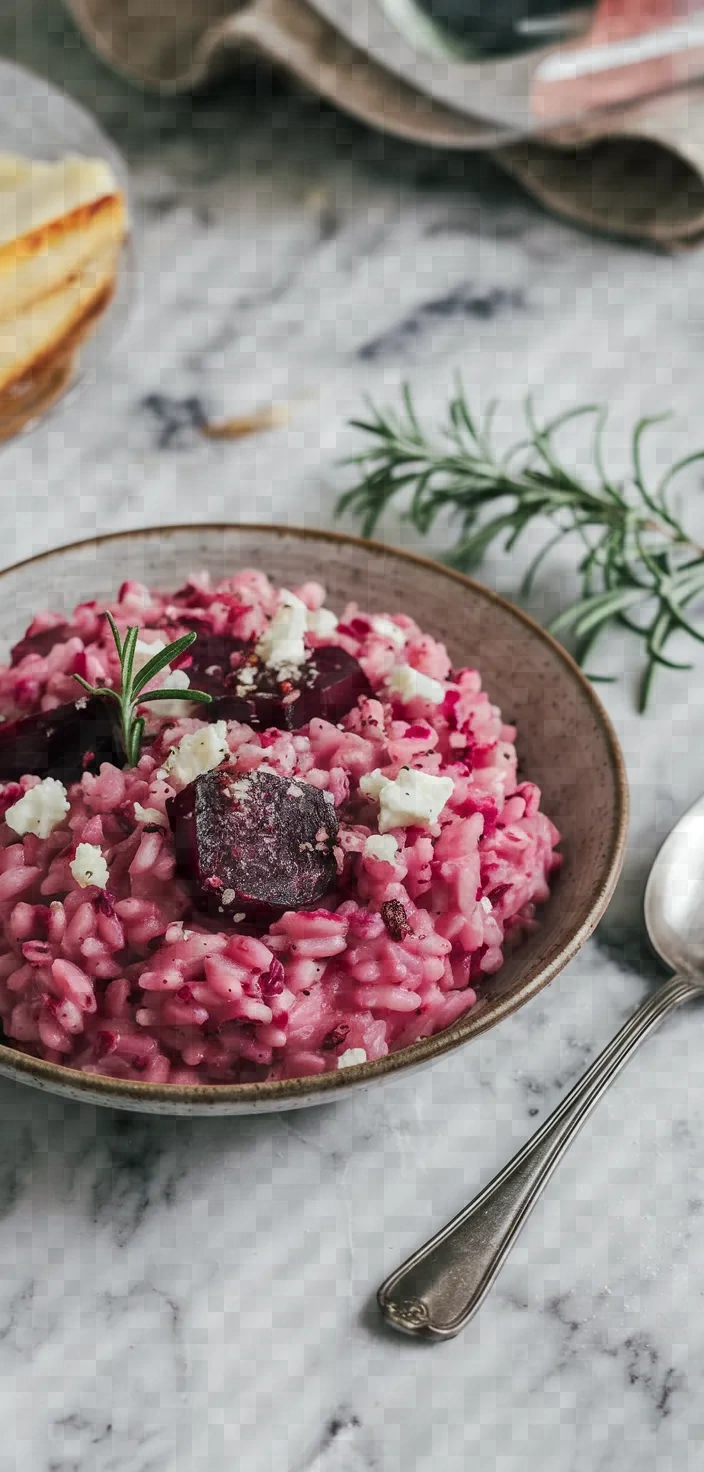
(636, 172)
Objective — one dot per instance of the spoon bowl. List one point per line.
(674, 895)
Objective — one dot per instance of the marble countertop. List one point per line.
(184, 1295)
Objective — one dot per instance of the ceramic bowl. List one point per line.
(40, 122)
(566, 744)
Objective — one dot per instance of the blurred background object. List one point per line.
(472, 29)
(513, 64)
(636, 171)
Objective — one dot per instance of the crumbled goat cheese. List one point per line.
(89, 866)
(373, 783)
(389, 630)
(144, 651)
(40, 810)
(413, 798)
(412, 684)
(176, 680)
(322, 621)
(351, 1058)
(149, 815)
(381, 846)
(486, 904)
(196, 753)
(281, 645)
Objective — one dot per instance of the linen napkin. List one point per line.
(636, 171)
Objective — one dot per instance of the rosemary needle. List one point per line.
(132, 692)
(639, 567)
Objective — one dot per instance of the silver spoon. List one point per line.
(439, 1289)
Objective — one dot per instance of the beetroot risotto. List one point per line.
(312, 870)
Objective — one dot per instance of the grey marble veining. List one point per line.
(178, 1296)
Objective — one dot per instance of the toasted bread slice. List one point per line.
(53, 323)
(53, 217)
(14, 170)
(41, 261)
(35, 194)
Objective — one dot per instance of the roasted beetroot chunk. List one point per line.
(254, 845)
(40, 643)
(209, 669)
(208, 663)
(327, 685)
(63, 743)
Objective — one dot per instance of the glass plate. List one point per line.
(39, 122)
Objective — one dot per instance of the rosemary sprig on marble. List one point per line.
(639, 568)
(132, 692)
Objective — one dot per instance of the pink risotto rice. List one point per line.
(130, 980)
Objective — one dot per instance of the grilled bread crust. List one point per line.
(54, 324)
(39, 263)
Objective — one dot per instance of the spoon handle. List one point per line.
(439, 1289)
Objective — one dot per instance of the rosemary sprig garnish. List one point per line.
(640, 568)
(132, 692)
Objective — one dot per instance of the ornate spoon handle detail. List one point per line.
(439, 1289)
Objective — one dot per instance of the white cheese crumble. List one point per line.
(381, 846)
(144, 651)
(351, 1058)
(322, 621)
(281, 645)
(40, 810)
(413, 798)
(175, 680)
(389, 630)
(196, 753)
(89, 866)
(373, 784)
(411, 684)
(149, 815)
(486, 904)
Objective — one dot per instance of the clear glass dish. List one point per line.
(42, 123)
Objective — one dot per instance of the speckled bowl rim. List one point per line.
(334, 1085)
